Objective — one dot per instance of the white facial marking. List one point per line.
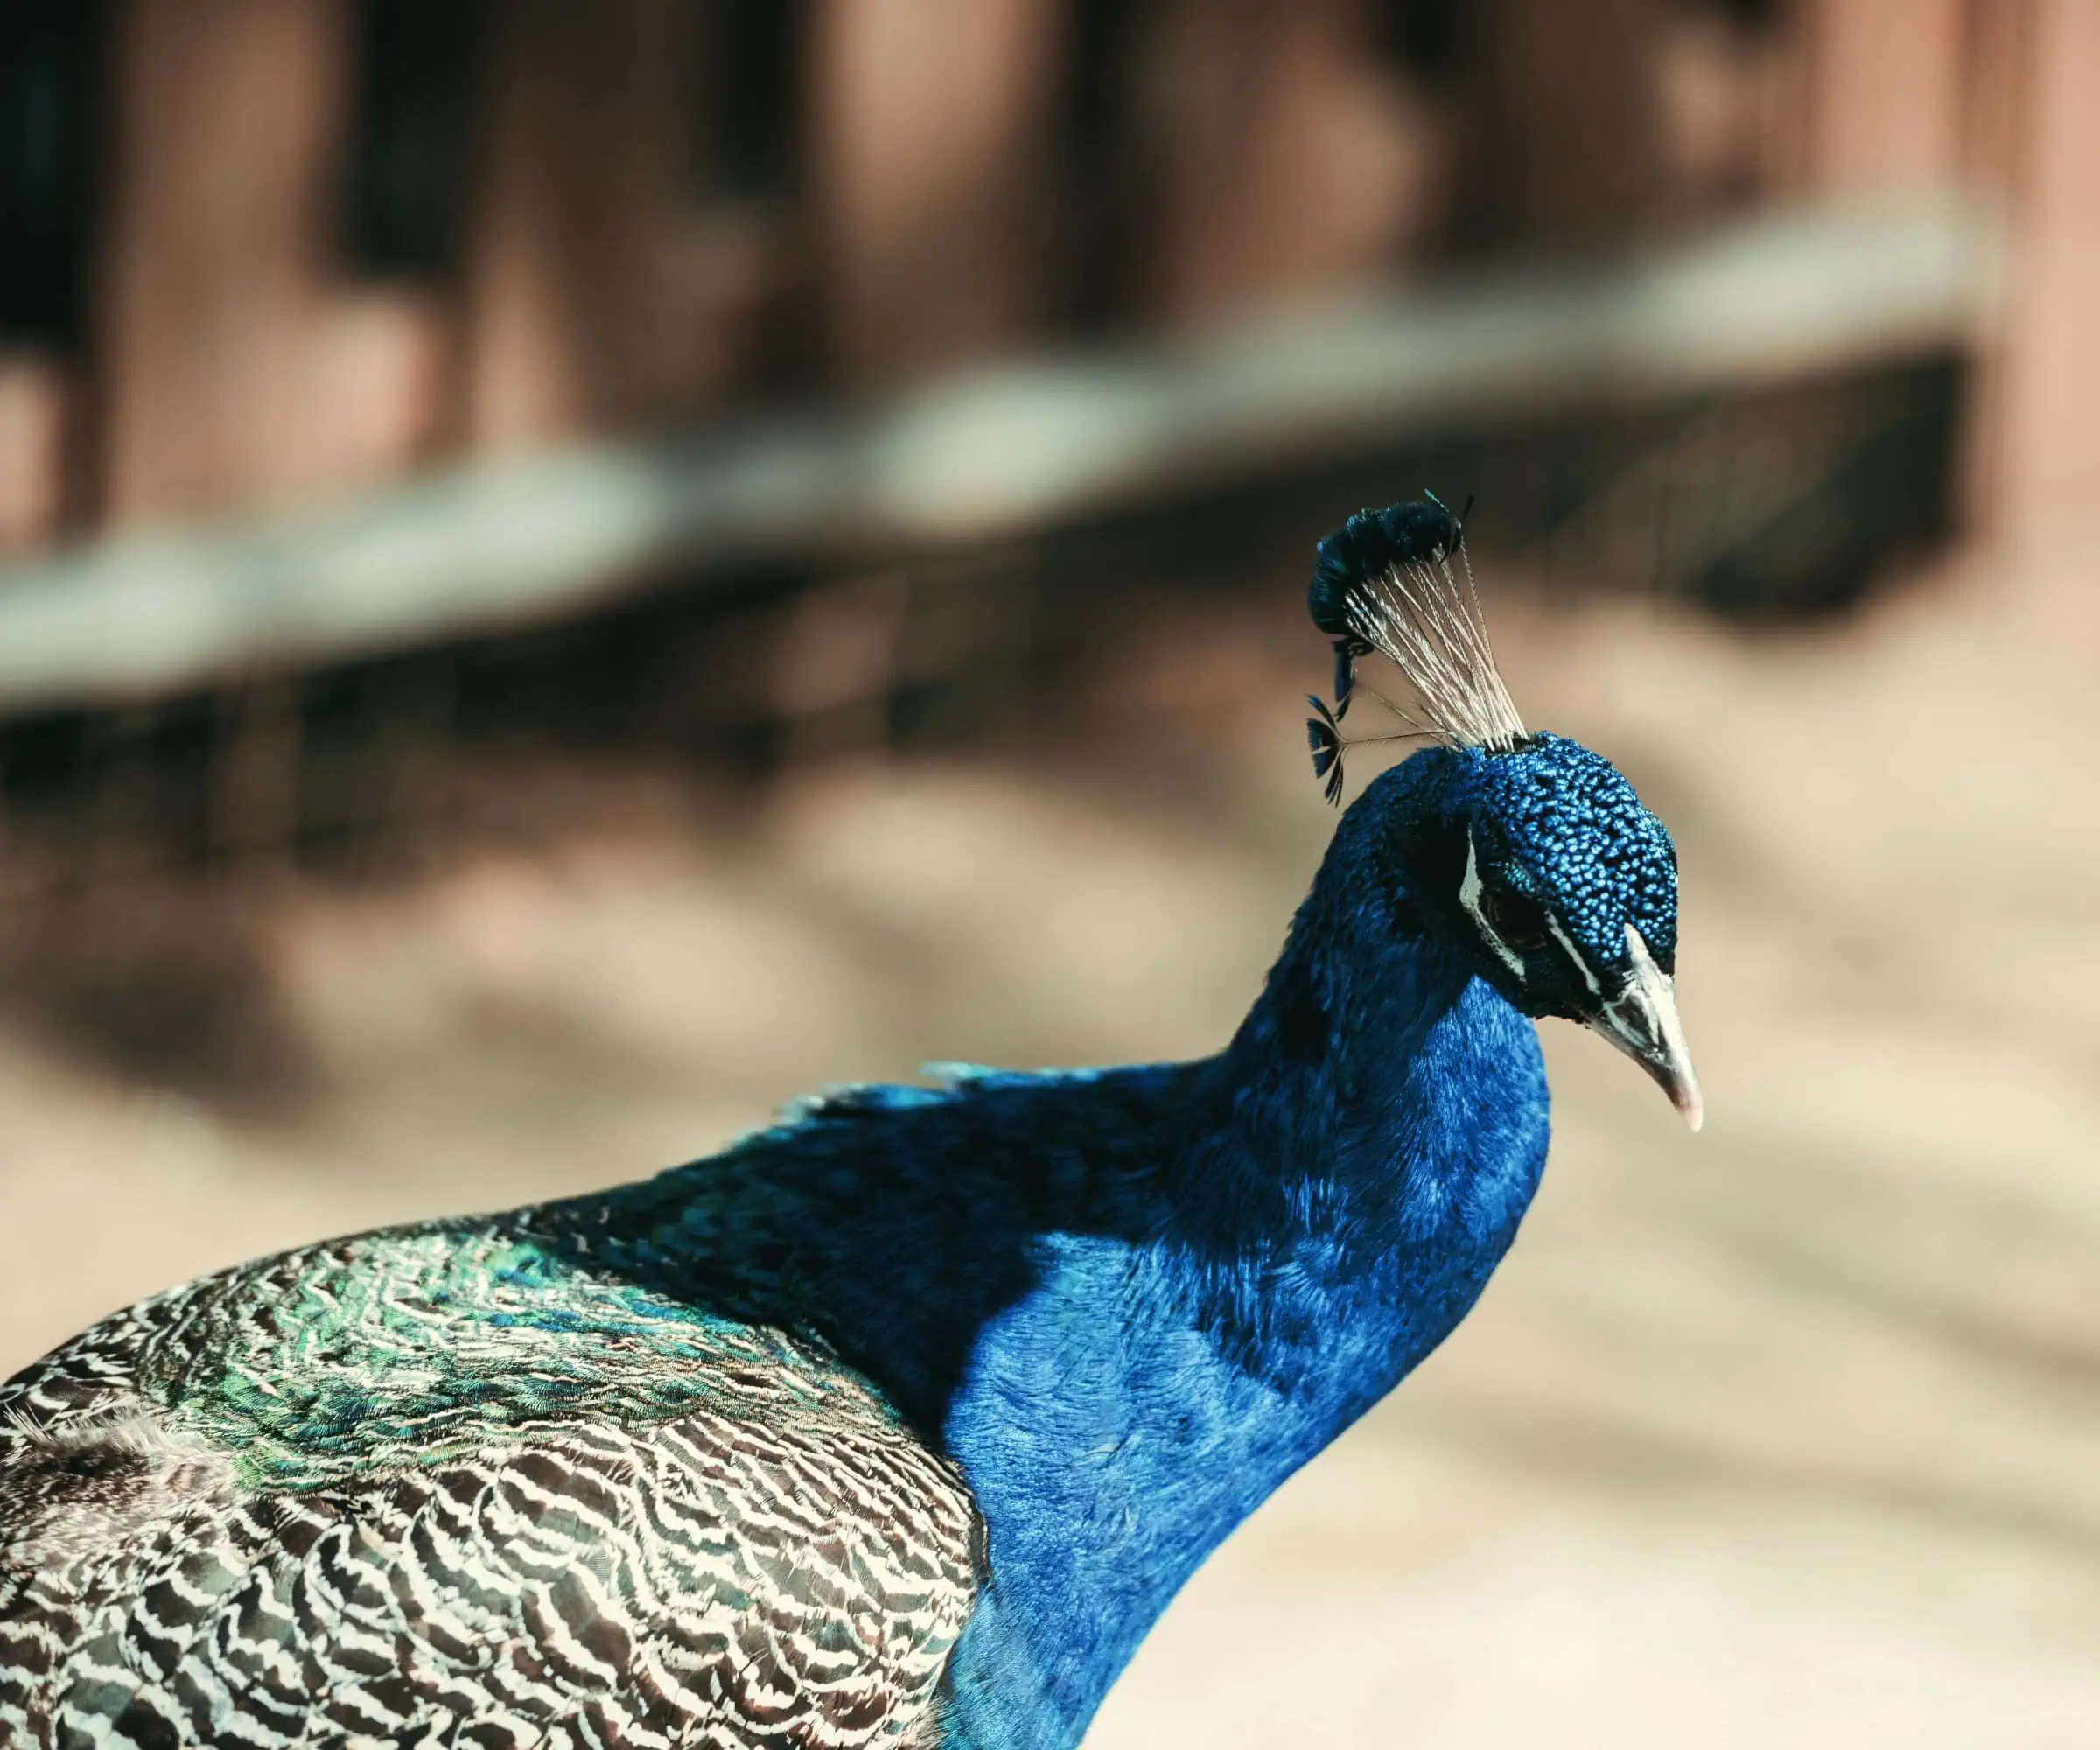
(1573, 953)
(1469, 897)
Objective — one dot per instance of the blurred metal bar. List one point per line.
(994, 456)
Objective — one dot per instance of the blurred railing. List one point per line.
(1786, 299)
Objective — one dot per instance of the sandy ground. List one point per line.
(1786, 1434)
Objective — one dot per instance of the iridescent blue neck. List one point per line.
(1347, 1175)
(1131, 1302)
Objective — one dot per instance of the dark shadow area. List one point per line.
(167, 987)
(51, 53)
(411, 125)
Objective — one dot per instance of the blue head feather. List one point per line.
(1419, 532)
(1558, 825)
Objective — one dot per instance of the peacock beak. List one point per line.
(1642, 1021)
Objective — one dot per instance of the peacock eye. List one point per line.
(1518, 919)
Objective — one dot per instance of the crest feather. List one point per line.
(1392, 586)
(1430, 626)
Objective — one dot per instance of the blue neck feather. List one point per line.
(1130, 1303)
(1360, 1158)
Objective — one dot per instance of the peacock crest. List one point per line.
(1397, 582)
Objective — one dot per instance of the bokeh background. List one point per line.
(571, 571)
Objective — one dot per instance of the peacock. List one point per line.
(898, 1423)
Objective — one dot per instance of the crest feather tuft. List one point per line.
(1387, 579)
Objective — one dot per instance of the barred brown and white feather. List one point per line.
(504, 1563)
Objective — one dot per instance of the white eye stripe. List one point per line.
(1574, 954)
(1469, 897)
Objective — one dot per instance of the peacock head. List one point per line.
(1529, 857)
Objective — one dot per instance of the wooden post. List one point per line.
(231, 114)
(933, 134)
(1282, 152)
(2039, 465)
(35, 404)
(588, 293)
(1562, 142)
(1885, 92)
(233, 371)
